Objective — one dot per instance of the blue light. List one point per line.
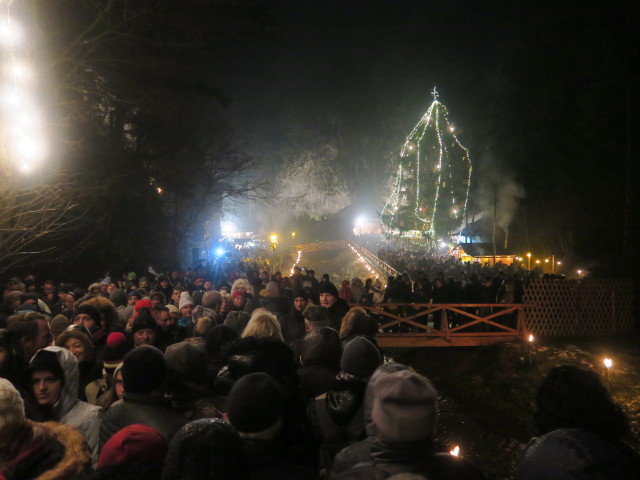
(219, 252)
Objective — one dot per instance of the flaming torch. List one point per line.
(455, 451)
(608, 363)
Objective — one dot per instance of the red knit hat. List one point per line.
(237, 293)
(134, 444)
(116, 348)
(144, 303)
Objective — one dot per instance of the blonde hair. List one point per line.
(263, 324)
(349, 319)
(202, 327)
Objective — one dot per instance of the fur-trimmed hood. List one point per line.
(77, 456)
(47, 451)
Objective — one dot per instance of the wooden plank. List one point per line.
(420, 340)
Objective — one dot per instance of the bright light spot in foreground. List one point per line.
(531, 338)
(608, 362)
(360, 221)
(220, 252)
(455, 451)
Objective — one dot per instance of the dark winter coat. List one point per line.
(336, 312)
(577, 454)
(292, 326)
(270, 460)
(392, 458)
(49, 450)
(338, 418)
(140, 409)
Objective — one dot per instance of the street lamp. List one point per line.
(529, 261)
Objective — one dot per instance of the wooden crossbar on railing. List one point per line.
(411, 329)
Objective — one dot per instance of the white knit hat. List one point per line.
(185, 299)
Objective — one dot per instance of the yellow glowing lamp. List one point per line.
(273, 238)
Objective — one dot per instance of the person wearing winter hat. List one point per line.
(319, 360)
(144, 375)
(174, 312)
(329, 299)
(205, 448)
(187, 381)
(237, 321)
(185, 307)
(30, 450)
(255, 408)
(404, 415)
(136, 450)
(88, 316)
(360, 452)
(144, 330)
(217, 339)
(338, 415)
(157, 298)
(53, 373)
(292, 324)
(360, 358)
(116, 348)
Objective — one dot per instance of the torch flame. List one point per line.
(531, 338)
(608, 362)
(455, 451)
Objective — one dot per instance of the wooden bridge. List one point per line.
(550, 308)
(447, 325)
(316, 246)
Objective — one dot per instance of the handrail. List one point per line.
(378, 264)
(452, 324)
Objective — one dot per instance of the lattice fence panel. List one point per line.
(587, 307)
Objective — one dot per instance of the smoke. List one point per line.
(509, 194)
(305, 184)
(501, 194)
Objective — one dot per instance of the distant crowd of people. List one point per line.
(235, 373)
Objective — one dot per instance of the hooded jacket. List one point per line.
(45, 451)
(68, 409)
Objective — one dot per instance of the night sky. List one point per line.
(540, 93)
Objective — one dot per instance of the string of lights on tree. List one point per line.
(431, 188)
(20, 116)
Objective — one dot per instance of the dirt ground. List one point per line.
(486, 393)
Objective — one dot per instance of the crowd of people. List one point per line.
(247, 374)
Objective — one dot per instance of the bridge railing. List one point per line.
(384, 268)
(451, 324)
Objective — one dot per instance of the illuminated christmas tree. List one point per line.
(431, 188)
